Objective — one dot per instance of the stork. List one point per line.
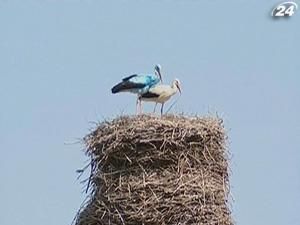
(139, 84)
(161, 94)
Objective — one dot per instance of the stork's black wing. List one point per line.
(149, 95)
(126, 86)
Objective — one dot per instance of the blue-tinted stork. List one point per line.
(161, 94)
(138, 84)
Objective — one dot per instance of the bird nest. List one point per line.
(149, 170)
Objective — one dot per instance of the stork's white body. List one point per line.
(161, 94)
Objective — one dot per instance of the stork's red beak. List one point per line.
(179, 88)
(160, 77)
(157, 71)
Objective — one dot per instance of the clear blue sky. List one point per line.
(59, 59)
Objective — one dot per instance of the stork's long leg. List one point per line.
(141, 109)
(155, 108)
(162, 109)
(137, 106)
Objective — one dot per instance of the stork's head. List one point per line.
(177, 84)
(157, 69)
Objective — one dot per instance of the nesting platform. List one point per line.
(158, 171)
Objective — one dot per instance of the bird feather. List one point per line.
(129, 77)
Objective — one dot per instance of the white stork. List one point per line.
(161, 94)
(138, 84)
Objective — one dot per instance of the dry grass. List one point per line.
(148, 170)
